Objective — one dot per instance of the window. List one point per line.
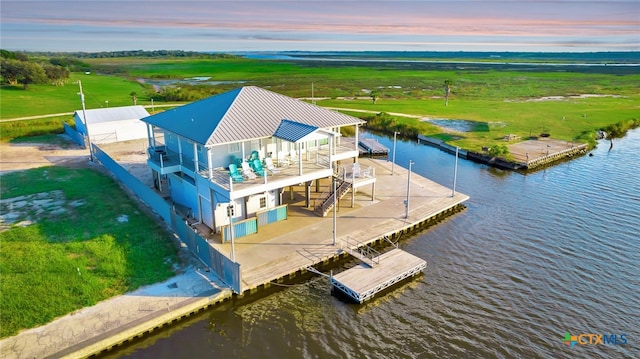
(234, 147)
(263, 202)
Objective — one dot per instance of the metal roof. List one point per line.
(98, 115)
(245, 113)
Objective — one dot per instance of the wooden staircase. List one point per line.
(326, 199)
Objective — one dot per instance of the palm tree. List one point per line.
(134, 97)
(447, 91)
(374, 96)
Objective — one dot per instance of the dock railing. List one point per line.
(361, 250)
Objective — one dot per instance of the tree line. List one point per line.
(17, 67)
(133, 53)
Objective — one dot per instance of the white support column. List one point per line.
(149, 136)
(210, 162)
(180, 150)
(299, 159)
(331, 139)
(357, 136)
(195, 157)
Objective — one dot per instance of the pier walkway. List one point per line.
(372, 147)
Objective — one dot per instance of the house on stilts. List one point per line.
(230, 158)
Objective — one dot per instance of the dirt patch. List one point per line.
(562, 98)
(28, 209)
(22, 156)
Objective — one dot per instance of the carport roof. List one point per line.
(243, 114)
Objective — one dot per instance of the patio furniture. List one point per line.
(293, 156)
(269, 164)
(234, 173)
(257, 167)
(247, 171)
(254, 156)
(282, 159)
(235, 160)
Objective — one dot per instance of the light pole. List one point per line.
(406, 202)
(230, 213)
(335, 214)
(84, 118)
(393, 161)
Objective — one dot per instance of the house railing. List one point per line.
(356, 172)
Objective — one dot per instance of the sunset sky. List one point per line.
(417, 25)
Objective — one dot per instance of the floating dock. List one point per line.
(363, 281)
(372, 147)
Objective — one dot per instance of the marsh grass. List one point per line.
(62, 263)
(511, 96)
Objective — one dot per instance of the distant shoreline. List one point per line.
(485, 58)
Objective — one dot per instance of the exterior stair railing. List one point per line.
(326, 200)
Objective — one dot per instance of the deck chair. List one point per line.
(254, 156)
(356, 170)
(268, 162)
(247, 171)
(282, 159)
(234, 173)
(257, 168)
(235, 160)
(293, 155)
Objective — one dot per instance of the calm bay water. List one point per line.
(532, 257)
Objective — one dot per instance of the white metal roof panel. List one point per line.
(111, 114)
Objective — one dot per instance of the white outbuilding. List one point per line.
(114, 124)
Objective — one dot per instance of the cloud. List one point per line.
(397, 23)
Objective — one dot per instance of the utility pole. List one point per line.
(335, 214)
(406, 202)
(393, 161)
(84, 118)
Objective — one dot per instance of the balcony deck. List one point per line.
(314, 164)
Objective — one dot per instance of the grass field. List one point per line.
(564, 119)
(81, 240)
(510, 97)
(48, 99)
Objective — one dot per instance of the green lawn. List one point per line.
(93, 246)
(48, 99)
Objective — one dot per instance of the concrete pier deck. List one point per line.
(283, 248)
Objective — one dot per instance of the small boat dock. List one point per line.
(372, 147)
(376, 274)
